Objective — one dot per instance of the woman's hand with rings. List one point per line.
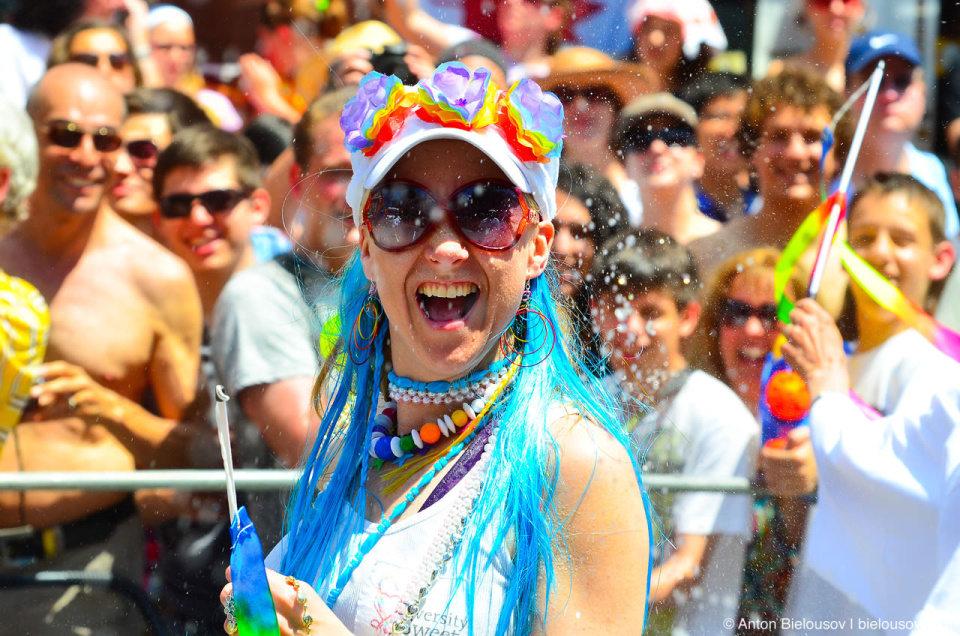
(300, 611)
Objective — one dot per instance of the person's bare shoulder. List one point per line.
(588, 453)
(156, 270)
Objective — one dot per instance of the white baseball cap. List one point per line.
(535, 177)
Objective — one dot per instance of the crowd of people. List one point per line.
(162, 234)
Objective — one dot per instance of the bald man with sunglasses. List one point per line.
(125, 332)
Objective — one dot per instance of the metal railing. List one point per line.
(254, 479)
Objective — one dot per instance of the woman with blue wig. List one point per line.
(469, 474)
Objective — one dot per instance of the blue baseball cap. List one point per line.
(874, 45)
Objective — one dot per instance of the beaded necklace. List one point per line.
(367, 544)
(386, 447)
(440, 392)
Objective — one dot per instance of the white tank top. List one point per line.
(368, 604)
(369, 601)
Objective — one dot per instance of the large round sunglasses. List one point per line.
(489, 214)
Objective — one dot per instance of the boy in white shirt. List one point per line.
(880, 538)
(693, 425)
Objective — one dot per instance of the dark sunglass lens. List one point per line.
(105, 140)
(767, 315)
(143, 149)
(176, 206)
(64, 134)
(217, 201)
(90, 59)
(599, 94)
(119, 61)
(901, 82)
(399, 214)
(565, 95)
(488, 214)
(735, 313)
(639, 141)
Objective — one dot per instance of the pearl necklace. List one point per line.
(439, 392)
(387, 447)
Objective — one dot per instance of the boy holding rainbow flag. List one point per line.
(889, 501)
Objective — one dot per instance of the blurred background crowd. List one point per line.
(172, 203)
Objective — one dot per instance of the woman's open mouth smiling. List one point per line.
(447, 304)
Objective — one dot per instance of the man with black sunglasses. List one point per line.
(124, 332)
(897, 116)
(264, 333)
(656, 135)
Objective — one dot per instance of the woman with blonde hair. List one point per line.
(737, 330)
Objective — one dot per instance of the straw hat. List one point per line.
(582, 67)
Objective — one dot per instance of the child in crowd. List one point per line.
(694, 425)
(886, 523)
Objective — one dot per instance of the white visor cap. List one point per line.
(537, 179)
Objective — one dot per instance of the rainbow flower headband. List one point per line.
(530, 120)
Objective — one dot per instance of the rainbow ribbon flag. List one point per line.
(253, 603)
(883, 292)
(886, 294)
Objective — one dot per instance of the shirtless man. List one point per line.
(780, 134)
(125, 325)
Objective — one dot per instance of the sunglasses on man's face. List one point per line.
(736, 313)
(898, 78)
(825, 4)
(179, 206)
(118, 61)
(143, 151)
(488, 214)
(67, 134)
(641, 140)
(592, 94)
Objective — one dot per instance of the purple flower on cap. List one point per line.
(454, 95)
(538, 118)
(377, 98)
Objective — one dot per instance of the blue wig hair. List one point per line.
(516, 503)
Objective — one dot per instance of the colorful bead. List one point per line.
(383, 449)
(430, 433)
(446, 430)
(459, 418)
(407, 444)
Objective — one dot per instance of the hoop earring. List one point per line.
(541, 333)
(363, 334)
